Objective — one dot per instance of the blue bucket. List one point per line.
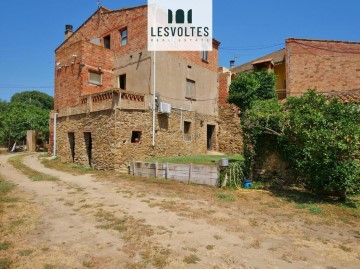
(247, 184)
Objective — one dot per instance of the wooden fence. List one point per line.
(188, 173)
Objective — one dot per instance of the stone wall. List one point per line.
(112, 131)
(230, 133)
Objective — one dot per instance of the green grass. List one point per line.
(200, 159)
(226, 197)
(31, 173)
(5, 186)
(4, 246)
(313, 208)
(4, 263)
(82, 168)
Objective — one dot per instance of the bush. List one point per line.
(318, 137)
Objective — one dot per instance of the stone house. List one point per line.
(332, 67)
(104, 101)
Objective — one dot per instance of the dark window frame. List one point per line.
(205, 56)
(124, 38)
(107, 41)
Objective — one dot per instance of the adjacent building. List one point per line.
(332, 67)
(105, 80)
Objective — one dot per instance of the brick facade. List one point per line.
(321, 64)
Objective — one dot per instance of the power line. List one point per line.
(251, 49)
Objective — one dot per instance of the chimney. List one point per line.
(68, 31)
(232, 64)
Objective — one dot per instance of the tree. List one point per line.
(34, 98)
(246, 88)
(18, 118)
(321, 140)
(318, 137)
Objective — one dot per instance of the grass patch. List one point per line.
(226, 197)
(5, 186)
(200, 159)
(82, 168)
(26, 252)
(313, 208)
(4, 246)
(191, 259)
(66, 167)
(5, 263)
(9, 199)
(31, 173)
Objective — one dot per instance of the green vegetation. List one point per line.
(4, 246)
(247, 88)
(31, 173)
(226, 197)
(317, 137)
(34, 98)
(25, 111)
(201, 159)
(5, 186)
(5, 263)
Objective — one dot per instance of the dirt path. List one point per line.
(92, 223)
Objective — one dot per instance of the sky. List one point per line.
(31, 30)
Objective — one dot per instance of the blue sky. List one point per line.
(31, 30)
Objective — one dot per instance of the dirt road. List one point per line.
(92, 222)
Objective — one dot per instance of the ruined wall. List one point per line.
(230, 133)
(326, 65)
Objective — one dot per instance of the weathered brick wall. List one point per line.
(68, 81)
(71, 82)
(224, 83)
(326, 65)
(230, 133)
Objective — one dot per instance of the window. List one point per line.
(190, 89)
(135, 137)
(204, 55)
(107, 42)
(187, 130)
(123, 37)
(95, 78)
(122, 81)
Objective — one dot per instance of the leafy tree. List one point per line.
(246, 88)
(35, 98)
(18, 118)
(321, 141)
(318, 137)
